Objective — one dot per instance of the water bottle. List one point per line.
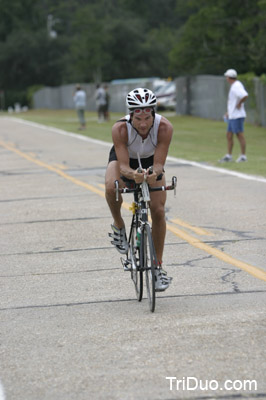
(138, 236)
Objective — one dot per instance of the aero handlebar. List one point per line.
(154, 189)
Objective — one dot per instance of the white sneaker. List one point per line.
(162, 281)
(226, 158)
(242, 158)
(120, 239)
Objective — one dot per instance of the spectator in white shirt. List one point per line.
(235, 116)
(80, 99)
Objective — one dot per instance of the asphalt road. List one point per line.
(69, 323)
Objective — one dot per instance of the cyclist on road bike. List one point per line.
(148, 134)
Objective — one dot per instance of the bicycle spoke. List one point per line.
(136, 274)
(149, 258)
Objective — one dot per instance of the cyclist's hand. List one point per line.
(151, 176)
(139, 175)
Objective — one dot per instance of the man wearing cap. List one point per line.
(235, 115)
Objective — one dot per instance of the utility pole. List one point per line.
(51, 21)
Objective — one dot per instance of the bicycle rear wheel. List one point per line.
(136, 273)
(149, 264)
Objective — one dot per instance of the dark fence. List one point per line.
(202, 95)
(206, 96)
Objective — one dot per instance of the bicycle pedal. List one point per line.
(126, 264)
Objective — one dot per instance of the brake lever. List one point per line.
(174, 181)
(116, 190)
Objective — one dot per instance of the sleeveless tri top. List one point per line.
(145, 147)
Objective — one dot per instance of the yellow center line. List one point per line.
(53, 169)
(255, 271)
(61, 166)
(195, 229)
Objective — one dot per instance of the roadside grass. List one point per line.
(195, 139)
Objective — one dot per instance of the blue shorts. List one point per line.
(236, 125)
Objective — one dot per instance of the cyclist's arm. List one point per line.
(165, 134)
(120, 138)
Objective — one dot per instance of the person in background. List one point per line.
(100, 97)
(235, 115)
(80, 100)
(106, 107)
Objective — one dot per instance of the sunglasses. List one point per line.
(146, 110)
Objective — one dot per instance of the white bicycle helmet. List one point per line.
(140, 98)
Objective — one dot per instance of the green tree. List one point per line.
(109, 39)
(257, 44)
(116, 39)
(218, 35)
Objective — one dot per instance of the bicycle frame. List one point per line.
(142, 256)
(140, 206)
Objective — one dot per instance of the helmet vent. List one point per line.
(141, 97)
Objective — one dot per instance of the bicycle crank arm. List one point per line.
(127, 265)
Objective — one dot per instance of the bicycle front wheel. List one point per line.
(136, 272)
(149, 264)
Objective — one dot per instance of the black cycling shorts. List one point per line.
(134, 163)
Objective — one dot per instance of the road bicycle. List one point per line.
(141, 256)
